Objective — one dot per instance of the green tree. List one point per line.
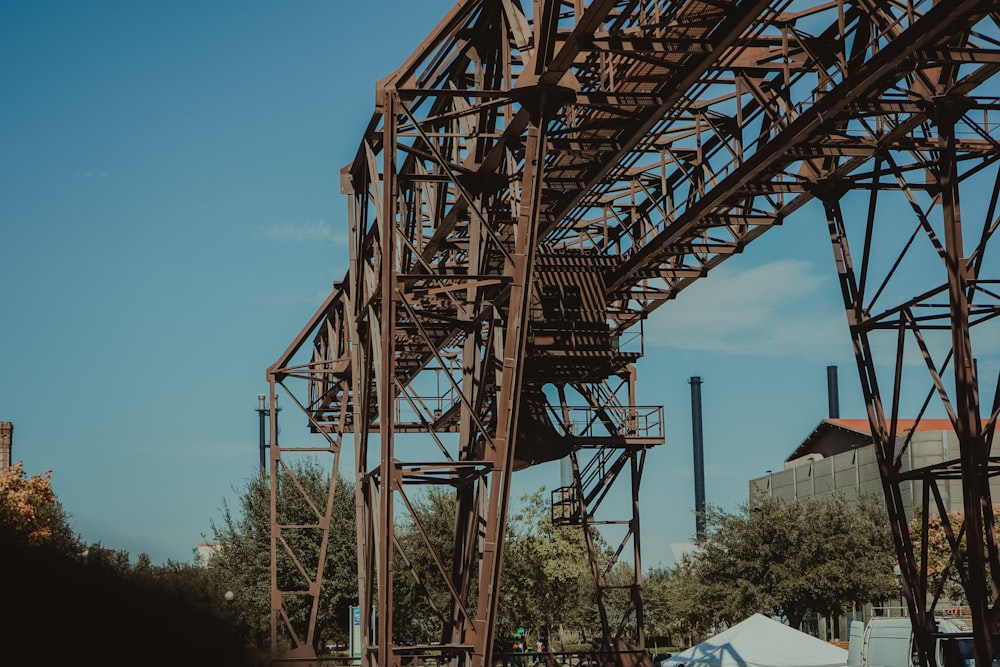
(547, 581)
(659, 616)
(96, 603)
(421, 598)
(672, 603)
(816, 555)
(242, 563)
(93, 600)
(115, 560)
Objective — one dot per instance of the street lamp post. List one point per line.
(899, 585)
(262, 413)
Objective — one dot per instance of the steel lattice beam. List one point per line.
(533, 184)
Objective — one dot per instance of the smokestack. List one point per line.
(699, 457)
(833, 394)
(6, 444)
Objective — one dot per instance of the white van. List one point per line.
(888, 642)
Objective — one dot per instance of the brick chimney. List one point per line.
(6, 444)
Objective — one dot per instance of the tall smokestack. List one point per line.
(6, 445)
(833, 394)
(699, 457)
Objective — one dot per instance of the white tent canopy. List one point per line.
(759, 641)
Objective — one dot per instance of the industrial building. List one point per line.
(839, 457)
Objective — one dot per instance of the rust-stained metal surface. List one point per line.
(537, 179)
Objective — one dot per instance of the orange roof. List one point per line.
(902, 426)
(862, 431)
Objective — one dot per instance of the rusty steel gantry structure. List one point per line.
(537, 179)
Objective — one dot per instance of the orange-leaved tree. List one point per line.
(30, 513)
(942, 573)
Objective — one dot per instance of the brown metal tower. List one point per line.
(536, 181)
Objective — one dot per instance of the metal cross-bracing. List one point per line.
(536, 180)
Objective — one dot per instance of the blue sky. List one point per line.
(171, 216)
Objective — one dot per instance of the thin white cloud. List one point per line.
(785, 308)
(318, 231)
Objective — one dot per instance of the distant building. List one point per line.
(6, 445)
(205, 552)
(838, 456)
(681, 549)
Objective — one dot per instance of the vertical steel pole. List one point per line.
(262, 412)
(276, 601)
(968, 427)
(386, 372)
(832, 392)
(883, 440)
(515, 336)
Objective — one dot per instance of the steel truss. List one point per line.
(532, 186)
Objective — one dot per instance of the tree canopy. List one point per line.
(547, 582)
(242, 563)
(943, 575)
(92, 601)
(424, 539)
(30, 513)
(790, 559)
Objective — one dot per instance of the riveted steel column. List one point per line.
(968, 427)
(385, 380)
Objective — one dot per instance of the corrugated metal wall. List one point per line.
(856, 471)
